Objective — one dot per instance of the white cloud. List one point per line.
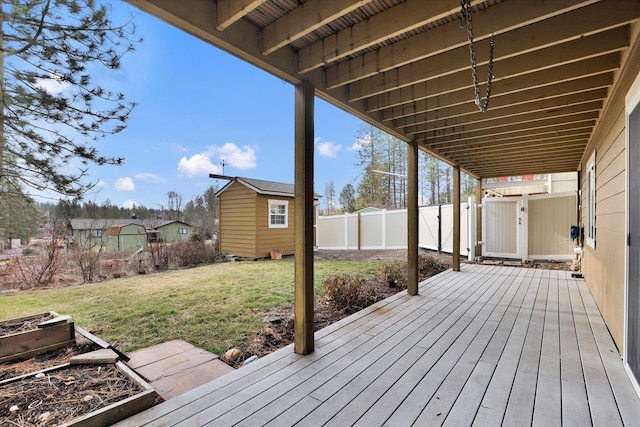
(361, 142)
(241, 158)
(125, 184)
(53, 85)
(197, 165)
(128, 204)
(328, 149)
(149, 177)
(202, 164)
(101, 184)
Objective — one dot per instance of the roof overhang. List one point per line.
(404, 66)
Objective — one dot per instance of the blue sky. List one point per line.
(197, 105)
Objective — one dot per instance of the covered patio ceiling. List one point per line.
(405, 67)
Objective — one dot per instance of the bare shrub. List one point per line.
(37, 270)
(429, 266)
(395, 275)
(347, 292)
(87, 258)
(192, 253)
(160, 254)
(165, 256)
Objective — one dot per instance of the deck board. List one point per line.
(486, 346)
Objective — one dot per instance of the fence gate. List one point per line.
(501, 224)
(529, 227)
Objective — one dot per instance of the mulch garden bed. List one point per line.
(62, 395)
(48, 389)
(24, 324)
(47, 360)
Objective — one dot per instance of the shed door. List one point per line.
(632, 343)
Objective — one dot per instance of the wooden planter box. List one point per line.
(107, 415)
(50, 335)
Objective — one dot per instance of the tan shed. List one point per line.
(256, 217)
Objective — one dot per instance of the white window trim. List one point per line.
(286, 213)
(590, 221)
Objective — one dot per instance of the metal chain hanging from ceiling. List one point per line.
(465, 20)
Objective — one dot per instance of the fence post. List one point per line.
(439, 228)
(524, 228)
(471, 226)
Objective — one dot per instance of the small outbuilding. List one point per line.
(256, 217)
(173, 231)
(125, 237)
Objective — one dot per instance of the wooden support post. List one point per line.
(456, 218)
(479, 218)
(412, 218)
(303, 303)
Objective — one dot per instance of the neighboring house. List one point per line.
(531, 184)
(173, 231)
(256, 217)
(91, 232)
(125, 237)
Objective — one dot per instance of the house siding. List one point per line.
(238, 221)
(170, 232)
(270, 239)
(604, 265)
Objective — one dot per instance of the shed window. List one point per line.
(591, 201)
(92, 233)
(278, 214)
(182, 231)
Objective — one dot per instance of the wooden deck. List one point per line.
(486, 346)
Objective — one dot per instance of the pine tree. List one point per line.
(52, 110)
(348, 198)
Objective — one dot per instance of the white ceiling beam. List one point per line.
(559, 29)
(231, 11)
(576, 50)
(304, 19)
(416, 13)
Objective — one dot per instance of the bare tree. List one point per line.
(174, 205)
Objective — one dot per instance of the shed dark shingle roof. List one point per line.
(265, 187)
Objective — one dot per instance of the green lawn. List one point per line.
(213, 307)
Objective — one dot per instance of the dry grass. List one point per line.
(213, 307)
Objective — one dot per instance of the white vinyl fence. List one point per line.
(387, 229)
(527, 228)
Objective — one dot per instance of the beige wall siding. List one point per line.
(238, 221)
(604, 266)
(270, 239)
(550, 221)
(563, 182)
